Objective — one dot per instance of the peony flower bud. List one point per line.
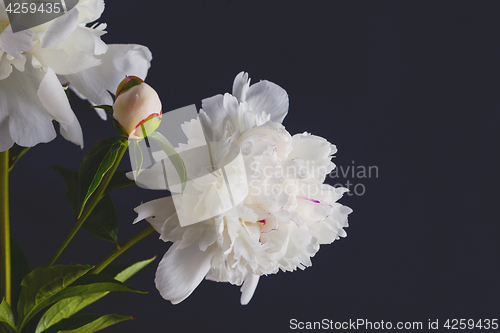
(137, 108)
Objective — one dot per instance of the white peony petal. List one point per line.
(158, 212)
(64, 63)
(54, 99)
(240, 86)
(5, 139)
(269, 97)
(29, 121)
(154, 208)
(73, 132)
(206, 125)
(208, 237)
(85, 40)
(214, 108)
(248, 287)
(316, 152)
(90, 10)
(181, 271)
(18, 63)
(60, 29)
(16, 43)
(5, 66)
(120, 60)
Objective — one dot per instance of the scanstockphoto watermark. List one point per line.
(356, 324)
(223, 174)
(351, 178)
(357, 173)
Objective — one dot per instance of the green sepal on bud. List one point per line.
(119, 129)
(127, 83)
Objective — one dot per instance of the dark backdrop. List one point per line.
(411, 87)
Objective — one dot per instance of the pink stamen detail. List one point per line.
(315, 201)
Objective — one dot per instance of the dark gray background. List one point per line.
(411, 87)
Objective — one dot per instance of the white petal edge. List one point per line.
(60, 29)
(29, 121)
(16, 43)
(214, 108)
(240, 86)
(53, 98)
(90, 10)
(181, 271)
(158, 213)
(120, 60)
(5, 139)
(248, 287)
(269, 97)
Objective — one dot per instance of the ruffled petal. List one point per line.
(5, 66)
(240, 86)
(90, 10)
(181, 271)
(60, 29)
(248, 287)
(85, 40)
(56, 103)
(64, 63)
(29, 121)
(214, 108)
(5, 139)
(120, 60)
(269, 97)
(16, 43)
(161, 214)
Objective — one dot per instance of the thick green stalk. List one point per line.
(116, 253)
(89, 208)
(5, 266)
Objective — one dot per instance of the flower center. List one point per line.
(261, 223)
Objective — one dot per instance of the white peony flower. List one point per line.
(34, 62)
(286, 214)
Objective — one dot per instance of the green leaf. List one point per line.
(71, 180)
(42, 285)
(69, 306)
(95, 164)
(87, 284)
(86, 323)
(6, 316)
(103, 221)
(172, 154)
(105, 107)
(119, 180)
(15, 153)
(93, 283)
(20, 268)
(65, 309)
(124, 273)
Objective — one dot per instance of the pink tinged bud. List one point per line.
(137, 109)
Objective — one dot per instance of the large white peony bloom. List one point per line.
(34, 62)
(286, 214)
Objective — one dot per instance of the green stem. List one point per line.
(116, 253)
(96, 198)
(5, 266)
